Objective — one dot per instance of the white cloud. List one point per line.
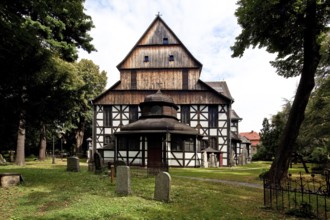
(207, 28)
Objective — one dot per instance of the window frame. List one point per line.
(213, 116)
(107, 116)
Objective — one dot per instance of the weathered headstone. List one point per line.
(123, 180)
(11, 156)
(212, 160)
(98, 162)
(73, 164)
(2, 160)
(10, 179)
(162, 187)
(205, 162)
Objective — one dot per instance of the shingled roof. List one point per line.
(221, 87)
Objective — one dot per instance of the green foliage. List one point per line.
(304, 211)
(271, 132)
(314, 138)
(33, 35)
(279, 27)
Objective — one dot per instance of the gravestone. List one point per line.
(98, 162)
(2, 160)
(73, 164)
(11, 156)
(162, 187)
(10, 179)
(205, 163)
(212, 160)
(123, 180)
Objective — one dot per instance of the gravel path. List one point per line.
(253, 185)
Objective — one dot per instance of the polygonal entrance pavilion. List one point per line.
(158, 140)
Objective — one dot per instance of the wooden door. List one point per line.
(155, 151)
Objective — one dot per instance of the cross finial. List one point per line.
(158, 14)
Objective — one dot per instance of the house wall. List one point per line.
(199, 119)
(159, 79)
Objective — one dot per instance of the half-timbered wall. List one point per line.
(217, 137)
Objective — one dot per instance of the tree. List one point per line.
(50, 98)
(294, 30)
(93, 83)
(31, 32)
(314, 137)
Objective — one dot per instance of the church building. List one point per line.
(161, 71)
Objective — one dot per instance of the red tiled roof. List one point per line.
(253, 136)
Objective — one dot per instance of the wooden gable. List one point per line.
(159, 48)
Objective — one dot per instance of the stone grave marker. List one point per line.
(98, 162)
(2, 160)
(123, 180)
(162, 187)
(73, 164)
(10, 179)
(11, 156)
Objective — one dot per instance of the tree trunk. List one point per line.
(42, 143)
(281, 163)
(20, 149)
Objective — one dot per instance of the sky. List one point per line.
(207, 28)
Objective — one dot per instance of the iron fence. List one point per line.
(300, 195)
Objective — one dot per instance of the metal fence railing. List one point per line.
(300, 195)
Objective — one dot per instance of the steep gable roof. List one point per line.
(155, 36)
(219, 86)
(234, 115)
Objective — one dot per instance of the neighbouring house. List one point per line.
(160, 112)
(254, 139)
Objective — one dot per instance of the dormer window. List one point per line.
(146, 59)
(171, 58)
(165, 40)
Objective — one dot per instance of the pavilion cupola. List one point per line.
(158, 105)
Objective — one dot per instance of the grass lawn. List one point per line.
(50, 192)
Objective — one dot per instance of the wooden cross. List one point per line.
(159, 14)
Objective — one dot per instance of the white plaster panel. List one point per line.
(109, 154)
(132, 153)
(193, 116)
(98, 131)
(178, 155)
(206, 109)
(189, 155)
(213, 131)
(115, 123)
(123, 153)
(222, 116)
(193, 124)
(99, 116)
(174, 163)
(107, 130)
(221, 123)
(204, 124)
(100, 123)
